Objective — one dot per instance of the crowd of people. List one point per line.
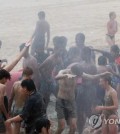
(84, 84)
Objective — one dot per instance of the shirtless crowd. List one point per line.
(84, 84)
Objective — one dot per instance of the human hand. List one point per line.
(69, 76)
(99, 108)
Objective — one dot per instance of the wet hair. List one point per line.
(107, 78)
(63, 40)
(111, 14)
(55, 40)
(102, 60)
(29, 85)
(21, 47)
(41, 123)
(115, 49)
(27, 71)
(4, 74)
(81, 38)
(86, 54)
(41, 15)
(77, 70)
(59, 41)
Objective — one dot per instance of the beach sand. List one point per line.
(66, 17)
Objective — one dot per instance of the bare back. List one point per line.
(19, 97)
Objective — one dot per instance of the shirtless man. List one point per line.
(65, 103)
(87, 88)
(46, 70)
(42, 28)
(17, 99)
(112, 28)
(30, 61)
(75, 51)
(4, 76)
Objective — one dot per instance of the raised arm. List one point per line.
(93, 77)
(10, 66)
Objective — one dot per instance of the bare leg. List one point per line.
(80, 121)
(104, 128)
(73, 125)
(113, 127)
(61, 126)
(109, 41)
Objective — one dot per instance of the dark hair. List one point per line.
(40, 123)
(81, 38)
(63, 40)
(111, 13)
(27, 71)
(107, 78)
(55, 40)
(115, 49)
(86, 54)
(4, 74)
(60, 41)
(21, 47)
(77, 69)
(41, 15)
(29, 85)
(102, 60)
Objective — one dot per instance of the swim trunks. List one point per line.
(65, 109)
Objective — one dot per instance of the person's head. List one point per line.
(80, 39)
(114, 50)
(21, 47)
(105, 81)
(112, 15)
(42, 126)
(102, 61)
(55, 40)
(28, 86)
(41, 15)
(27, 73)
(4, 76)
(86, 54)
(58, 45)
(76, 69)
(63, 41)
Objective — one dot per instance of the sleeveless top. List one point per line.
(109, 102)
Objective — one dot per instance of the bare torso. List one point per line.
(67, 88)
(111, 27)
(41, 28)
(19, 97)
(31, 62)
(2, 91)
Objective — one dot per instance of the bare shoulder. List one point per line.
(17, 83)
(2, 88)
(113, 92)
